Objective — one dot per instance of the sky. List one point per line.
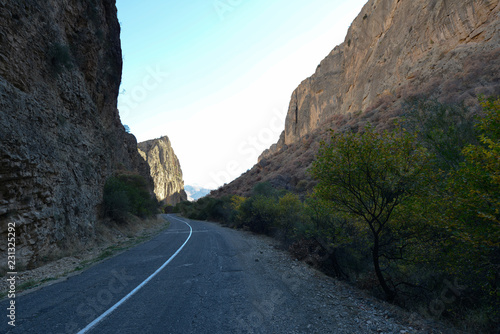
(216, 76)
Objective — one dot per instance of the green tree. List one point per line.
(128, 193)
(263, 189)
(366, 176)
(481, 168)
(473, 213)
(470, 203)
(463, 207)
(441, 128)
(290, 212)
(264, 213)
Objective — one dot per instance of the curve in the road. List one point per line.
(121, 301)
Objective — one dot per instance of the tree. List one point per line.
(258, 213)
(290, 213)
(482, 168)
(464, 208)
(441, 128)
(128, 193)
(366, 176)
(474, 209)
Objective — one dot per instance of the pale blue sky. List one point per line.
(217, 76)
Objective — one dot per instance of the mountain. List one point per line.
(196, 192)
(165, 170)
(393, 51)
(60, 132)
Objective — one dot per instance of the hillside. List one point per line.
(393, 51)
(61, 135)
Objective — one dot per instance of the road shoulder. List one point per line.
(333, 306)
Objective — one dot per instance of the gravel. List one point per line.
(332, 306)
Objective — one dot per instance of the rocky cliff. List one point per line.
(394, 50)
(60, 132)
(165, 170)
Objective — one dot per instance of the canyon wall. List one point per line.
(60, 131)
(448, 50)
(394, 50)
(165, 170)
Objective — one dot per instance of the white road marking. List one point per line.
(114, 307)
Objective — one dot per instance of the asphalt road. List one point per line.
(210, 286)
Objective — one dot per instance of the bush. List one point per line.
(366, 177)
(443, 129)
(128, 194)
(264, 189)
(207, 208)
(412, 213)
(290, 212)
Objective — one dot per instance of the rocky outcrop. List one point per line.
(165, 170)
(60, 132)
(394, 50)
(449, 50)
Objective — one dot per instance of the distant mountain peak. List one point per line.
(196, 192)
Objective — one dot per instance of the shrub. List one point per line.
(258, 214)
(263, 189)
(302, 185)
(128, 194)
(168, 209)
(208, 208)
(290, 211)
(184, 208)
(443, 129)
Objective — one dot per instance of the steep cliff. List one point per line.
(165, 170)
(394, 50)
(60, 132)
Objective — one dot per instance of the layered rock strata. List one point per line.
(448, 50)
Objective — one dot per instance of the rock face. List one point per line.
(165, 170)
(60, 132)
(394, 50)
(449, 50)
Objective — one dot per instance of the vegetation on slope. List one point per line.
(126, 194)
(412, 214)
